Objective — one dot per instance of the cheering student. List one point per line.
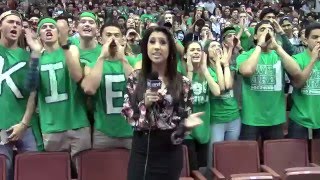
(155, 115)
(15, 126)
(203, 84)
(63, 119)
(105, 79)
(262, 69)
(224, 111)
(304, 114)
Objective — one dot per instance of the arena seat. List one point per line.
(185, 173)
(238, 159)
(285, 153)
(2, 167)
(42, 166)
(104, 164)
(315, 152)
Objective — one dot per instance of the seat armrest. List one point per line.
(217, 174)
(251, 176)
(314, 165)
(267, 169)
(196, 175)
(186, 178)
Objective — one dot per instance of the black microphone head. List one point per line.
(154, 76)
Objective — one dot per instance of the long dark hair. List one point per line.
(174, 78)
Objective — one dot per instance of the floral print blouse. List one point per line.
(163, 116)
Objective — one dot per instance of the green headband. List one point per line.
(229, 32)
(90, 15)
(45, 20)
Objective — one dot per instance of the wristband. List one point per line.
(24, 124)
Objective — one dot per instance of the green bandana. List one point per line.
(45, 20)
(229, 32)
(90, 15)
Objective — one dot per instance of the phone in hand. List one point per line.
(4, 135)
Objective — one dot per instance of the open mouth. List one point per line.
(14, 32)
(49, 34)
(87, 30)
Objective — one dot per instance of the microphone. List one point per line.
(153, 82)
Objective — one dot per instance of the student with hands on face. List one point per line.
(204, 84)
(262, 69)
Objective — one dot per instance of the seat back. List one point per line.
(315, 153)
(285, 153)
(229, 157)
(104, 164)
(185, 172)
(3, 167)
(40, 166)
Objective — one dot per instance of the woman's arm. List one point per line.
(131, 111)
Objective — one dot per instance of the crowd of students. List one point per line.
(68, 80)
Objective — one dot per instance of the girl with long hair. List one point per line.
(160, 118)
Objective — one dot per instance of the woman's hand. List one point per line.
(204, 65)
(150, 97)
(189, 64)
(193, 120)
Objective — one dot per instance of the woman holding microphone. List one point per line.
(158, 104)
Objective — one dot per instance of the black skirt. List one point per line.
(164, 160)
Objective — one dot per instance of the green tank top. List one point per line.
(61, 101)
(109, 99)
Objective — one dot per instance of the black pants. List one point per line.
(164, 160)
(197, 154)
(296, 131)
(265, 132)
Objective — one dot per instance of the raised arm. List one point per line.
(213, 86)
(300, 80)
(92, 79)
(248, 67)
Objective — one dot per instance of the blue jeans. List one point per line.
(27, 143)
(223, 132)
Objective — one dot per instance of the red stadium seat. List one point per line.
(238, 159)
(315, 152)
(104, 164)
(2, 167)
(285, 153)
(43, 166)
(185, 173)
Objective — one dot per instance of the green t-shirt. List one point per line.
(88, 56)
(246, 42)
(74, 41)
(61, 101)
(307, 99)
(223, 108)
(180, 66)
(134, 59)
(201, 104)
(144, 17)
(13, 96)
(262, 93)
(109, 99)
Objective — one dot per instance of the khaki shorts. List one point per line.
(73, 141)
(101, 141)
